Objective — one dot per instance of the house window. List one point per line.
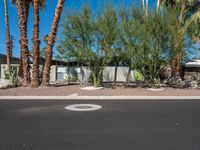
(63, 73)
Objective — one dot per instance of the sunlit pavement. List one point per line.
(118, 125)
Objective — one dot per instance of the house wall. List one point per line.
(122, 72)
(3, 68)
(3, 62)
(53, 73)
(60, 73)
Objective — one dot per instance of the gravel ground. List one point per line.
(112, 91)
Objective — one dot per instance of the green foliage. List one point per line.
(137, 76)
(89, 41)
(12, 76)
(184, 8)
(78, 35)
(107, 31)
(69, 78)
(193, 25)
(96, 77)
(148, 42)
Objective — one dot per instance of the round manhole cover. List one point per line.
(83, 107)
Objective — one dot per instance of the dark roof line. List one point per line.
(11, 56)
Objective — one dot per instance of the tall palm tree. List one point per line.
(36, 45)
(196, 38)
(26, 6)
(51, 41)
(8, 37)
(184, 7)
(194, 21)
(24, 43)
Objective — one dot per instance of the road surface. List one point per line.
(119, 125)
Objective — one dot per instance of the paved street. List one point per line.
(119, 125)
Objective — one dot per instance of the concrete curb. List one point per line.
(99, 97)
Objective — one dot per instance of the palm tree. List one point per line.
(196, 38)
(185, 8)
(193, 23)
(26, 7)
(24, 43)
(8, 37)
(36, 45)
(51, 41)
(195, 19)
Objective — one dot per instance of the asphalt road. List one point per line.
(119, 125)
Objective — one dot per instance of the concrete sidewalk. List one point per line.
(99, 97)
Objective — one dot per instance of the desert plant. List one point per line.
(79, 42)
(12, 76)
(106, 33)
(137, 76)
(147, 42)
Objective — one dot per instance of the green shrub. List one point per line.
(12, 76)
(138, 76)
(96, 78)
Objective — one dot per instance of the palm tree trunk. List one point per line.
(24, 43)
(26, 13)
(181, 16)
(197, 48)
(21, 64)
(8, 37)
(147, 8)
(36, 45)
(180, 54)
(51, 41)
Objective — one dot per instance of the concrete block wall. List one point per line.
(53, 73)
(122, 72)
(84, 72)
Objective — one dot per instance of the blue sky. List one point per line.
(46, 19)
